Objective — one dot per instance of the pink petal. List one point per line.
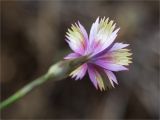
(77, 38)
(92, 75)
(83, 30)
(79, 72)
(109, 40)
(112, 77)
(72, 56)
(93, 32)
(110, 66)
(118, 46)
(75, 46)
(85, 35)
(103, 43)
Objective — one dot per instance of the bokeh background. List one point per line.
(32, 39)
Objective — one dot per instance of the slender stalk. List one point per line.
(58, 71)
(22, 92)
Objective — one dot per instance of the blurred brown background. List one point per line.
(32, 39)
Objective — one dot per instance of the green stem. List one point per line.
(22, 92)
(57, 71)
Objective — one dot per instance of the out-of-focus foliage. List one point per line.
(32, 38)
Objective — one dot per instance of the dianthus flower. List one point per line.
(105, 56)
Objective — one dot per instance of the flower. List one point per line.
(105, 56)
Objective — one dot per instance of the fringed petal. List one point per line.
(116, 56)
(112, 77)
(118, 46)
(95, 77)
(91, 72)
(83, 30)
(77, 38)
(110, 66)
(72, 56)
(102, 35)
(93, 32)
(79, 72)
